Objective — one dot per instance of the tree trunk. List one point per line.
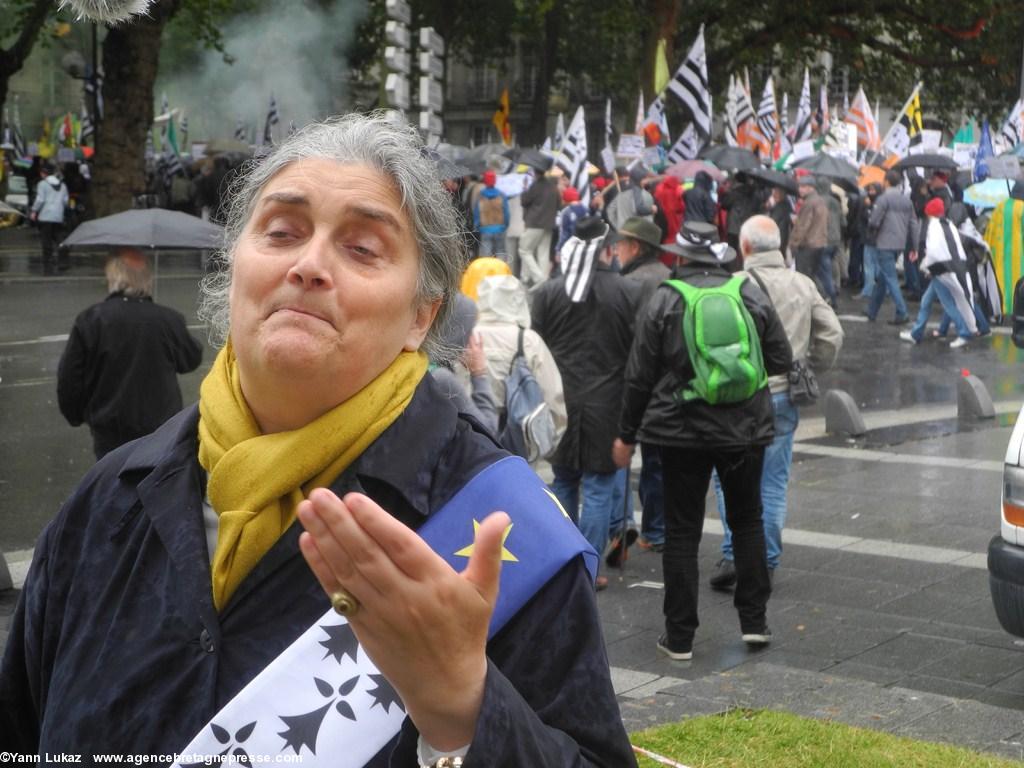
(537, 130)
(131, 57)
(12, 59)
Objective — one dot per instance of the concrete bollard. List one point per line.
(972, 398)
(5, 575)
(842, 416)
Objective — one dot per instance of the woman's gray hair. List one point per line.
(394, 149)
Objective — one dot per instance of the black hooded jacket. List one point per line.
(699, 205)
(659, 367)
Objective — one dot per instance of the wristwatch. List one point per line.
(446, 762)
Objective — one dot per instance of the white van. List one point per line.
(1006, 551)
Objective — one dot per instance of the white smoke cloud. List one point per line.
(291, 50)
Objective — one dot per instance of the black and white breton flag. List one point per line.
(578, 259)
(766, 111)
(165, 107)
(731, 105)
(172, 167)
(802, 127)
(1011, 130)
(94, 89)
(183, 129)
(272, 120)
(686, 147)
(690, 85)
(241, 132)
(572, 158)
(85, 121)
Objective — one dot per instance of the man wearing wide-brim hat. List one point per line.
(694, 437)
(636, 246)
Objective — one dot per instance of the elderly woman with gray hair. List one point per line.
(307, 563)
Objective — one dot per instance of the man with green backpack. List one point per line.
(696, 386)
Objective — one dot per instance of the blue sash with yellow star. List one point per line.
(323, 701)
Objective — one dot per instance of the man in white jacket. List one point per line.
(943, 257)
(48, 212)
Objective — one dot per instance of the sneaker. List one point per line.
(758, 639)
(908, 336)
(958, 342)
(681, 653)
(724, 576)
(615, 553)
(900, 321)
(650, 546)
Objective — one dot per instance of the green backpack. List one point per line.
(722, 342)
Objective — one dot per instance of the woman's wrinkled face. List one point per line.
(324, 279)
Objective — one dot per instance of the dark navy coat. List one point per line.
(116, 646)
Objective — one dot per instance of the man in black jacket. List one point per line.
(118, 371)
(586, 317)
(695, 437)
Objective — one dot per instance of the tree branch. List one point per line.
(35, 17)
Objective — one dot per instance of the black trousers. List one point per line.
(49, 235)
(686, 476)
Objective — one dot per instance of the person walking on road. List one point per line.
(669, 387)
(809, 235)
(540, 206)
(491, 217)
(586, 317)
(118, 373)
(636, 246)
(48, 211)
(895, 228)
(815, 336)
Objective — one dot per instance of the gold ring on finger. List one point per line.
(344, 602)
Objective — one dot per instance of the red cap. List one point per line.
(600, 182)
(935, 207)
(490, 177)
(570, 195)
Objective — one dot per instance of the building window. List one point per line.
(527, 83)
(481, 134)
(485, 84)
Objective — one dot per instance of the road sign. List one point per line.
(431, 41)
(430, 64)
(431, 123)
(396, 33)
(396, 88)
(398, 10)
(397, 59)
(430, 96)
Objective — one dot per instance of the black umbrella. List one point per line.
(730, 158)
(770, 177)
(929, 160)
(531, 157)
(155, 228)
(834, 168)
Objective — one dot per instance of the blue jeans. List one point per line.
(979, 317)
(778, 457)
(823, 273)
(886, 281)
(603, 499)
(912, 277)
(492, 244)
(870, 270)
(936, 290)
(652, 495)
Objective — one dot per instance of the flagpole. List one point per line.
(888, 133)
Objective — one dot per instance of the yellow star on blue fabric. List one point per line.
(558, 504)
(506, 556)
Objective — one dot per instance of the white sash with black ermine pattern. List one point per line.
(323, 702)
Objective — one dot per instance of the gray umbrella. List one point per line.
(834, 168)
(155, 228)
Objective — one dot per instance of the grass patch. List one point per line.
(743, 738)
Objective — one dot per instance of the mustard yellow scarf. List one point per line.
(256, 481)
